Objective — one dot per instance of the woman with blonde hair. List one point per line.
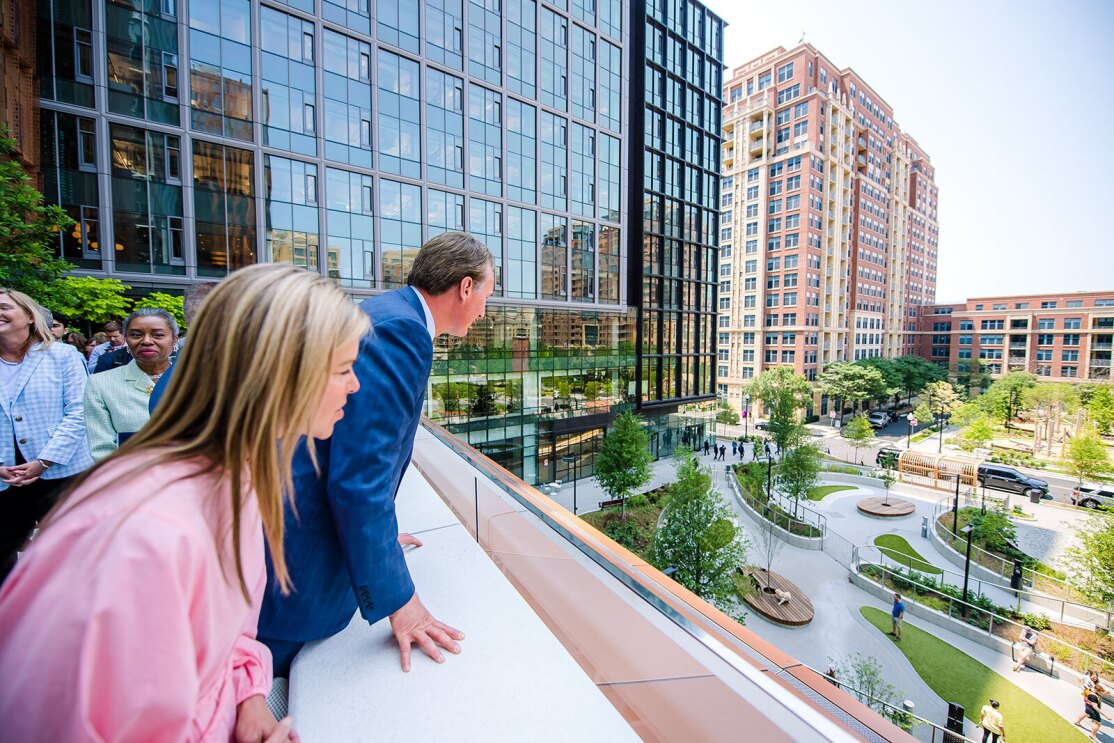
(42, 420)
(132, 615)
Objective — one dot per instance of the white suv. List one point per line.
(879, 419)
(1093, 495)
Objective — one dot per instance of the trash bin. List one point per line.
(924, 527)
(1034, 496)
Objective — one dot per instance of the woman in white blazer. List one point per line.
(42, 420)
(117, 401)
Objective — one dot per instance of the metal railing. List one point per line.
(807, 523)
(995, 625)
(1041, 582)
(900, 716)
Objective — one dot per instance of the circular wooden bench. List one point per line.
(797, 612)
(879, 508)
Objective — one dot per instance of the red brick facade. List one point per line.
(17, 81)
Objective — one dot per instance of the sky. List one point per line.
(1013, 103)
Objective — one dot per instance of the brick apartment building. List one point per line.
(828, 231)
(1063, 337)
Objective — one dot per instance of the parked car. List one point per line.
(1093, 495)
(887, 456)
(879, 419)
(762, 426)
(997, 477)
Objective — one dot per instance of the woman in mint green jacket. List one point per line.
(116, 400)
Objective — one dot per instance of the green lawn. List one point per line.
(957, 677)
(901, 552)
(820, 491)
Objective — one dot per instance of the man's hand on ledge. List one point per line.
(405, 539)
(414, 624)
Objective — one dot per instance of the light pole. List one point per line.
(955, 506)
(940, 423)
(966, 566)
(575, 461)
(909, 438)
(746, 417)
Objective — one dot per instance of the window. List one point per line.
(788, 94)
(966, 324)
(785, 73)
(87, 144)
(1048, 305)
(1069, 371)
(1071, 339)
(1044, 339)
(965, 340)
(993, 324)
(1073, 323)
(83, 54)
(1074, 303)
(1046, 323)
(1044, 354)
(1021, 306)
(1069, 356)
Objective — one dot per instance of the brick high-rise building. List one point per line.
(828, 229)
(17, 80)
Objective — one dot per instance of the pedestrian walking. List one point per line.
(766, 448)
(707, 446)
(723, 452)
(897, 614)
(734, 447)
(1092, 711)
(991, 721)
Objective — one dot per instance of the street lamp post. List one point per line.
(955, 506)
(966, 566)
(575, 461)
(940, 424)
(769, 477)
(909, 437)
(746, 417)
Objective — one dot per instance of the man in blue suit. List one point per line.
(343, 548)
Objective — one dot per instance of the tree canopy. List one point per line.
(784, 393)
(1093, 560)
(893, 382)
(623, 462)
(798, 472)
(1100, 407)
(859, 432)
(851, 382)
(28, 233)
(1005, 396)
(1086, 457)
(941, 398)
(916, 373)
(697, 536)
(172, 303)
(88, 298)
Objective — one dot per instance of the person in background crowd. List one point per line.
(116, 402)
(346, 524)
(114, 332)
(132, 615)
(78, 341)
(42, 421)
(992, 723)
(191, 303)
(57, 324)
(89, 346)
(113, 359)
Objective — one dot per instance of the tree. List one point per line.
(170, 302)
(483, 399)
(850, 383)
(976, 434)
(1004, 398)
(592, 391)
(29, 234)
(727, 414)
(450, 397)
(941, 399)
(916, 373)
(1092, 558)
(784, 393)
(859, 432)
(972, 374)
(769, 545)
(697, 536)
(967, 413)
(1100, 407)
(864, 677)
(97, 301)
(891, 378)
(1086, 457)
(623, 461)
(798, 472)
(923, 414)
(887, 477)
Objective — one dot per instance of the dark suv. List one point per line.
(997, 477)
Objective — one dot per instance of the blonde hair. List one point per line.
(241, 398)
(39, 330)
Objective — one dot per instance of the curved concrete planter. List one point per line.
(808, 543)
(870, 482)
(958, 560)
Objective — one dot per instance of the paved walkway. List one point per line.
(839, 630)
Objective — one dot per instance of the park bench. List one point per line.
(1043, 662)
(611, 503)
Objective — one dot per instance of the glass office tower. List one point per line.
(188, 138)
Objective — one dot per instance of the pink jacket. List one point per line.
(119, 623)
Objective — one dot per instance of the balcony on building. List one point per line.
(757, 146)
(568, 636)
(757, 128)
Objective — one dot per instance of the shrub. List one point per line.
(623, 532)
(1039, 622)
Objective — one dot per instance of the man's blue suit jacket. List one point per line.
(342, 547)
